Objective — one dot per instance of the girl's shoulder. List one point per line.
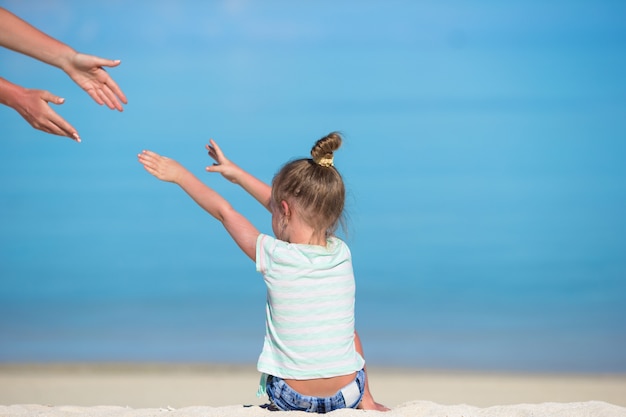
(279, 248)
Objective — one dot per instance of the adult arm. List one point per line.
(33, 106)
(85, 70)
(261, 191)
(240, 229)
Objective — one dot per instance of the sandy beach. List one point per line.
(133, 390)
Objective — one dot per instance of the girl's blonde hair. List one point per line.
(314, 186)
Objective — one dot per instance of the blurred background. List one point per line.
(484, 157)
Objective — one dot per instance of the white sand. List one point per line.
(412, 409)
(212, 391)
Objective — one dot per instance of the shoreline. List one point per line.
(179, 385)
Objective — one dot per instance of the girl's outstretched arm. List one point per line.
(166, 169)
(255, 187)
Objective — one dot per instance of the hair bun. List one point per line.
(322, 151)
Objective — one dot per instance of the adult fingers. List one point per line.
(116, 91)
(62, 128)
(112, 93)
(112, 90)
(105, 95)
(54, 123)
(51, 98)
(94, 93)
(103, 62)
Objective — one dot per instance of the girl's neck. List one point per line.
(297, 231)
(306, 237)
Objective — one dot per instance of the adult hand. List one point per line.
(33, 106)
(87, 72)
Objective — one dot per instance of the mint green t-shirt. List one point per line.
(309, 309)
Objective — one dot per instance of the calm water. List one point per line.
(484, 159)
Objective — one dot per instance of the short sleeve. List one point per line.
(262, 259)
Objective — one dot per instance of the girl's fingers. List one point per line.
(216, 148)
(148, 154)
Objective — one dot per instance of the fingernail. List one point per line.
(75, 134)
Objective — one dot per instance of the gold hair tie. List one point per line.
(325, 161)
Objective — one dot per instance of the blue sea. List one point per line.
(484, 157)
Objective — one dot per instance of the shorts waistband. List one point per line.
(351, 393)
(285, 398)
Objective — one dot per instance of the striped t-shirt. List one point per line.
(309, 311)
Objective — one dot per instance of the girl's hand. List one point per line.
(222, 164)
(162, 167)
(368, 403)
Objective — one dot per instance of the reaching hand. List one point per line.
(162, 167)
(87, 72)
(222, 164)
(33, 106)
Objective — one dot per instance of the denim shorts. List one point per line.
(286, 398)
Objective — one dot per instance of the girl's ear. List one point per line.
(284, 208)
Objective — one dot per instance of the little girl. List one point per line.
(312, 358)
